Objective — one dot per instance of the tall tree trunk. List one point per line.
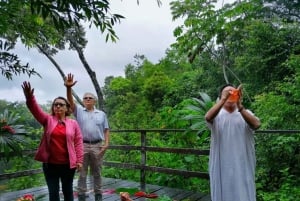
(91, 73)
(59, 70)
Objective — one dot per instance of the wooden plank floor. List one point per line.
(110, 184)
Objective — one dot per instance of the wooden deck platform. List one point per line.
(109, 185)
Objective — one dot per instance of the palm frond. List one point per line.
(11, 134)
(197, 111)
(192, 116)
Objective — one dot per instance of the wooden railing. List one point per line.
(143, 148)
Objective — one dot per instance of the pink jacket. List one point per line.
(49, 122)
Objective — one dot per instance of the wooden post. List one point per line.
(143, 160)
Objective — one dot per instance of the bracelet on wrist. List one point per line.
(241, 109)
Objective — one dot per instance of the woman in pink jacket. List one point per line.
(61, 146)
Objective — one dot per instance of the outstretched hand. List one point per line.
(225, 94)
(69, 80)
(28, 91)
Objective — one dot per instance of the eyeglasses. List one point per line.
(59, 104)
(88, 98)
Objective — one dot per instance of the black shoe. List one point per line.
(81, 197)
(98, 197)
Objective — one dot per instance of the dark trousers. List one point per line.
(53, 174)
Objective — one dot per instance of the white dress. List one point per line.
(232, 158)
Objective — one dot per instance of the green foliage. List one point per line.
(287, 10)
(289, 189)
(184, 87)
(268, 104)
(17, 115)
(263, 54)
(10, 64)
(197, 110)
(19, 163)
(281, 157)
(244, 42)
(11, 134)
(67, 13)
(155, 88)
(37, 23)
(282, 103)
(24, 163)
(200, 26)
(163, 198)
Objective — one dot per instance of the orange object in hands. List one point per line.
(234, 95)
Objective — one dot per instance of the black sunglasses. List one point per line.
(59, 104)
(88, 98)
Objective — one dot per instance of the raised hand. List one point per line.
(225, 94)
(28, 91)
(69, 80)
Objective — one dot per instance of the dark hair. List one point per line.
(224, 86)
(68, 112)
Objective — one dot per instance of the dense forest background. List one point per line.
(255, 43)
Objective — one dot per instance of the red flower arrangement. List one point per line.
(5, 127)
(26, 197)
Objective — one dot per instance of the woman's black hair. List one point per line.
(225, 85)
(68, 112)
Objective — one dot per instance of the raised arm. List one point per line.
(251, 119)
(32, 105)
(69, 83)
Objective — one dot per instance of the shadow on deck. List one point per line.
(109, 185)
